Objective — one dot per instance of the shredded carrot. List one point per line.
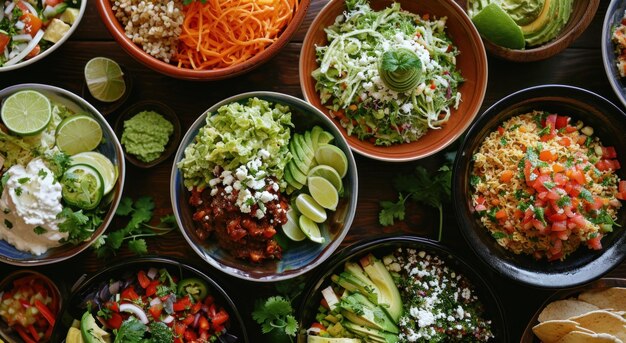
(220, 33)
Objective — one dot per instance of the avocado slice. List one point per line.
(306, 148)
(296, 173)
(303, 161)
(320, 339)
(370, 315)
(388, 291)
(91, 332)
(557, 19)
(291, 181)
(315, 133)
(372, 334)
(354, 284)
(359, 273)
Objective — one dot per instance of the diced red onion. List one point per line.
(168, 319)
(9, 8)
(31, 45)
(195, 320)
(152, 272)
(31, 9)
(22, 37)
(134, 309)
(155, 301)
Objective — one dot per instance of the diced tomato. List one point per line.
(188, 320)
(209, 300)
(557, 245)
(565, 141)
(557, 217)
(559, 226)
(501, 214)
(539, 226)
(579, 220)
(203, 323)
(597, 203)
(22, 7)
(143, 279)
(33, 23)
(577, 176)
(53, 2)
(506, 176)
(152, 287)
(570, 129)
(129, 294)
(622, 186)
(500, 130)
(182, 304)
(561, 121)
(179, 328)
(547, 156)
(318, 326)
(527, 171)
(480, 200)
(220, 318)
(115, 321)
(4, 40)
(518, 214)
(112, 305)
(156, 310)
(609, 152)
(557, 168)
(190, 335)
(550, 122)
(594, 243)
(324, 303)
(538, 184)
(559, 179)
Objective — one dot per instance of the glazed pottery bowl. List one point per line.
(297, 257)
(472, 63)
(582, 266)
(109, 147)
(612, 19)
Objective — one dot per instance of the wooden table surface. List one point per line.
(580, 65)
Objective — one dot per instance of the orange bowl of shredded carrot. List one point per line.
(202, 39)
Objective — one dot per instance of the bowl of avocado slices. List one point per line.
(367, 294)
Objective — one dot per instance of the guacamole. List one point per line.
(539, 20)
(146, 134)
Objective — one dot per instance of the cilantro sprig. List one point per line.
(421, 187)
(276, 313)
(137, 228)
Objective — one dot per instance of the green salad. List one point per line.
(388, 76)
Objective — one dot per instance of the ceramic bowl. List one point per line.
(41, 56)
(298, 257)
(116, 29)
(582, 266)
(9, 334)
(582, 15)
(110, 147)
(383, 246)
(167, 113)
(472, 62)
(74, 306)
(613, 18)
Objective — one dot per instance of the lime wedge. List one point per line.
(332, 156)
(291, 228)
(105, 79)
(78, 134)
(323, 192)
(310, 208)
(102, 164)
(497, 26)
(310, 229)
(26, 112)
(329, 173)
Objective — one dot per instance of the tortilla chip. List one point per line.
(603, 322)
(610, 298)
(553, 330)
(583, 337)
(564, 309)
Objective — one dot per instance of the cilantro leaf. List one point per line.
(125, 207)
(391, 210)
(275, 313)
(138, 246)
(131, 331)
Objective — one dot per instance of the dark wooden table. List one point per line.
(579, 65)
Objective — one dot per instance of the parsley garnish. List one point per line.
(544, 131)
(39, 230)
(23, 180)
(275, 313)
(79, 225)
(8, 224)
(539, 215)
(42, 173)
(474, 180)
(549, 184)
(499, 235)
(503, 141)
(514, 127)
(18, 191)
(132, 330)
(421, 187)
(586, 195)
(563, 201)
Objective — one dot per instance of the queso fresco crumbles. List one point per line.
(543, 186)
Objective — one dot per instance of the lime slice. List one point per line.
(323, 192)
(82, 186)
(102, 164)
(26, 112)
(310, 208)
(331, 155)
(105, 79)
(497, 26)
(310, 229)
(291, 228)
(329, 173)
(78, 134)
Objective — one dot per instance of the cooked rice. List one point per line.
(494, 157)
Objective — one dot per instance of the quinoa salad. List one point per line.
(544, 186)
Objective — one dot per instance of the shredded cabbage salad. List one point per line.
(349, 75)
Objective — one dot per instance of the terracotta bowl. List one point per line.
(117, 31)
(472, 62)
(582, 15)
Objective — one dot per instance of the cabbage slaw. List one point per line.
(349, 83)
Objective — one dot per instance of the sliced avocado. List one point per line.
(308, 139)
(315, 133)
(303, 161)
(310, 153)
(320, 339)
(557, 18)
(296, 173)
(371, 315)
(291, 181)
(91, 332)
(359, 273)
(354, 284)
(370, 333)
(387, 288)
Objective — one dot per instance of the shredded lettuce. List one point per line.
(234, 136)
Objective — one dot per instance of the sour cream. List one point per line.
(29, 205)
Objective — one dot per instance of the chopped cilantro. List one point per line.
(586, 195)
(523, 206)
(23, 180)
(564, 200)
(520, 194)
(588, 141)
(514, 127)
(42, 173)
(491, 214)
(539, 215)
(8, 224)
(39, 230)
(275, 314)
(474, 180)
(544, 131)
(499, 235)
(503, 141)
(549, 184)
(570, 162)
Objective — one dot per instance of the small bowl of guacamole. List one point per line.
(149, 132)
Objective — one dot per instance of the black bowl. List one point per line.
(582, 266)
(382, 246)
(72, 307)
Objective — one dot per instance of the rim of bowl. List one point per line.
(66, 36)
(119, 185)
(117, 31)
(370, 244)
(608, 54)
(238, 272)
(506, 268)
(380, 156)
(137, 261)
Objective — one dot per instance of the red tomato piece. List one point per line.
(182, 304)
(143, 279)
(609, 152)
(115, 321)
(180, 328)
(129, 294)
(4, 40)
(594, 243)
(559, 226)
(220, 318)
(578, 176)
(188, 320)
(562, 121)
(203, 324)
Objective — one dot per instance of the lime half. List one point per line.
(26, 112)
(310, 229)
(291, 228)
(105, 79)
(323, 192)
(310, 208)
(102, 164)
(78, 134)
(331, 155)
(498, 27)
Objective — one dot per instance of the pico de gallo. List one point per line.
(28, 27)
(545, 185)
(152, 306)
(30, 307)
